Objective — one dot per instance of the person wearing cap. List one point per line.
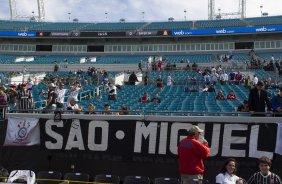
(52, 97)
(25, 98)
(192, 151)
(72, 105)
(258, 100)
(276, 103)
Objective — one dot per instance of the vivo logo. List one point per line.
(263, 29)
(181, 32)
(22, 34)
(222, 31)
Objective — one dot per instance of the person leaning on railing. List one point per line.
(3, 101)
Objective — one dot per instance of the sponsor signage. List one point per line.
(222, 31)
(18, 34)
(141, 33)
(102, 34)
(148, 33)
(58, 34)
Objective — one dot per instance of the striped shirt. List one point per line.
(259, 178)
(25, 99)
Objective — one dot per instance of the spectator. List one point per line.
(25, 98)
(145, 98)
(248, 83)
(72, 105)
(244, 107)
(258, 99)
(156, 99)
(74, 90)
(169, 81)
(191, 155)
(3, 101)
(132, 79)
(60, 91)
(227, 173)
(159, 82)
(220, 96)
(264, 176)
(146, 79)
(276, 103)
(211, 88)
(214, 78)
(107, 109)
(124, 110)
(238, 78)
(232, 77)
(207, 78)
(255, 80)
(140, 66)
(12, 96)
(52, 97)
(231, 96)
(223, 78)
(29, 84)
(194, 67)
(90, 109)
(204, 88)
(112, 91)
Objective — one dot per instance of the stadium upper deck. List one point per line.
(201, 24)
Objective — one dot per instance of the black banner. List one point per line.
(132, 147)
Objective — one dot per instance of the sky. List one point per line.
(131, 10)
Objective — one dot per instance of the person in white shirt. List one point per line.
(112, 90)
(255, 80)
(227, 174)
(29, 84)
(224, 78)
(169, 80)
(74, 90)
(60, 91)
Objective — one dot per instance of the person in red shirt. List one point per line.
(192, 151)
(231, 96)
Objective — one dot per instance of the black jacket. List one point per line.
(257, 103)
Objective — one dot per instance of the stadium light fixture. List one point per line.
(106, 16)
(69, 13)
(185, 14)
(143, 16)
(261, 7)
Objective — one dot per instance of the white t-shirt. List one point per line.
(73, 93)
(226, 179)
(169, 81)
(60, 94)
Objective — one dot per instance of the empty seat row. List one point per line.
(52, 177)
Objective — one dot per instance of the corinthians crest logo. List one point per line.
(22, 132)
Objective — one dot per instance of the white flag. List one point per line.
(22, 132)
(278, 148)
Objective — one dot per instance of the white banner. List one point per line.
(22, 132)
(278, 148)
